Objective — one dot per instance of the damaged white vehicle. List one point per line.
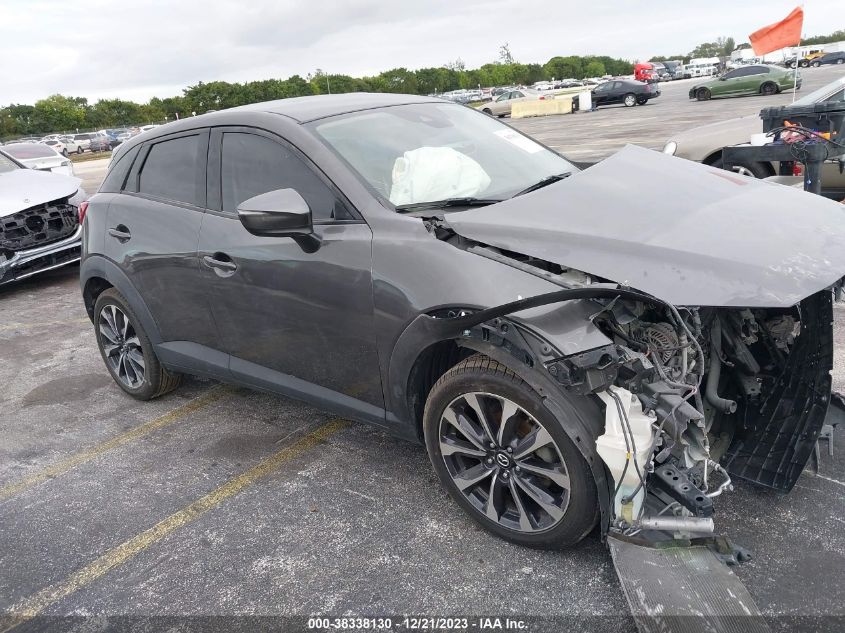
(39, 220)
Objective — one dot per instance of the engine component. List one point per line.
(677, 418)
(661, 338)
(726, 485)
(676, 524)
(675, 483)
(626, 447)
(712, 392)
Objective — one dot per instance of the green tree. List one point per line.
(112, 113)
(594, 68)
(728, 46)
(58, 113)
(836, 36)
(564, 67)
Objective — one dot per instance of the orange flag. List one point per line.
(776, 36)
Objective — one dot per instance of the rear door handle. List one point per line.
(221, 263)
(121, 232)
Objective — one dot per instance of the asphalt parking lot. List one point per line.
(221, 501)
(591, 136)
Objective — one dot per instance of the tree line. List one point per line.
(60, 113)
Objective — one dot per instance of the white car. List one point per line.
(40, 157)
(39, 220)
(84, 140)
(63, 147)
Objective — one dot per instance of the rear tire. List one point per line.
(768, 89)
(498, 476)
(840, 61)
(127, 351)
(642, 101)
(702, 94)
(630, 100)
(79, 150)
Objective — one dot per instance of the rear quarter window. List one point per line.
(115, 180)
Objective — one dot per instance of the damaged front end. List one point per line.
(697, 396)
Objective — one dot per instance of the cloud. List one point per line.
(145, 48)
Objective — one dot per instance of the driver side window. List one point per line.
(252, 164)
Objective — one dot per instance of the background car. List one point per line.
(83, 140)
(829, 58)
(501, 105)
(57, 145)
(628, 92)
(39, 219)
(704, 144)
(747, 80)
(99, 143)
(41, 157)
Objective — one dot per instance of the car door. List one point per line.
(601, 92)
(614, 92)
(292, 320)
(153, 229)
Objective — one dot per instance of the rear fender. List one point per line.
(98, 266)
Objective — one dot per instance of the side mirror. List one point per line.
(722, 78)
(279, 213)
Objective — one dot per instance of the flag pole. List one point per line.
(797, 53)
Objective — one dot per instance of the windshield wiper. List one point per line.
(548, 180)
(448, 202)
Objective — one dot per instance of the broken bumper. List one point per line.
(17, 265)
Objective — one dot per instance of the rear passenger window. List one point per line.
(253, 164)
(170, 170)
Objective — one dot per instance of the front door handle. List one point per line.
(221, 263)
(121, 232)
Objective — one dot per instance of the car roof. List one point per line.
(305, 109)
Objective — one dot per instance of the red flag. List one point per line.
(776, 36)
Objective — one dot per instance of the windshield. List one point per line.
(834, 91)
(420, 153)
(7, 164)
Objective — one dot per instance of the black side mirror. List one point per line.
(723, 78)
(279, 213)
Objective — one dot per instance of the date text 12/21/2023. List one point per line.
(416, 623)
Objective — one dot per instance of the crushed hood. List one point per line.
(24, 188)
(684, 232)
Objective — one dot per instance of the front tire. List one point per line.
(79, 150)
(505, 459)
(487, 111)
(702, 94)
(817, 64)
(126, 350)
(630, 100)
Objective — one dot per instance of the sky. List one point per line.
(144, 48)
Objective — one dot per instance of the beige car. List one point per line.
(501, 105)
(704, 144)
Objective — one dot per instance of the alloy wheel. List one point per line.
(504, 461)
(121, 346)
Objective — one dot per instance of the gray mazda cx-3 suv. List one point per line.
(572, 348)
